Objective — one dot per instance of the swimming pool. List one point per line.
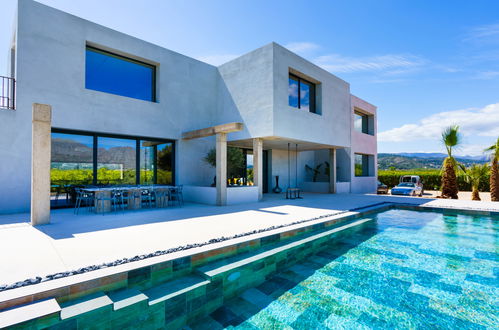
(406, 269)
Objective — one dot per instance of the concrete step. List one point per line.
(175, 288)
(220, 267)
(85, 304)
(125, 298)
(29, 312)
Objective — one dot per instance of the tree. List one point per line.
(235, 161)
(451, 139)
(494, 171)
(474, 175)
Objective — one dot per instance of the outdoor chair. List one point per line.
(83, 199)
(176, 195)
(161, 197)
(147, 197)
(118, 199)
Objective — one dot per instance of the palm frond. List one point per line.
(451, 138)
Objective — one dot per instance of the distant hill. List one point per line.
(438, 155)
(407, 161)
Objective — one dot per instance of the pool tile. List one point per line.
(408, 269)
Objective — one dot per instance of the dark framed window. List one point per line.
(364, 165)
(363, 123)
(85, 158)
(301, 93)
(119, 75)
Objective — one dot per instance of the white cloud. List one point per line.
(392, 63)
(484, 33)
(485, 75)
(217, 59)
(479, 122)
(302, 47)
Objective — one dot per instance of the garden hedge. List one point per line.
(431, 179)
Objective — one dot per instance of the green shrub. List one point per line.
(431, 179)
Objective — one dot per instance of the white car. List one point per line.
(408, 189)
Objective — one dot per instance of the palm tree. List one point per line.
(494, 171)
(474, 175)
(451, 139)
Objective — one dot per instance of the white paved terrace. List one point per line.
(70, 242)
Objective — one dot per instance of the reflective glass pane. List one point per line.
(147, 162)
(117, 75)
(116, 161)
(249, 168)
(357, 122)
(293, 92)
(164, 161)
(156, 162)
(304, 96)
(71, 164)
(358, 165)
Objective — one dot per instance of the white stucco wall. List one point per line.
(51, 70)
(333, 98)
(364, 144)
(252, 89)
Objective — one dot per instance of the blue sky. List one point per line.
(425, 64)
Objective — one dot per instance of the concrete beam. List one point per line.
(258, 166)
(40, 164)
(221, 169)
(224, 128)
(332, 171)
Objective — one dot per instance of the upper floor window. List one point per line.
(301, 93)
(363, 123)
(115, 74)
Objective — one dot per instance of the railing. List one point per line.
(7, 93)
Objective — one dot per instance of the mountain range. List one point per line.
(406, 161)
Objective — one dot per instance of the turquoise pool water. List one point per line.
(406, 269)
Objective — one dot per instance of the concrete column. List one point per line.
(258, 166)
(40, 164)
(221, 169)
(332, 171)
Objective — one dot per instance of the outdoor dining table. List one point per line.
(134, 203)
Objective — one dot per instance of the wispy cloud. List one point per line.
(217, 59)
(483, 34)
(481, 122)
(485, 75)
(390, 63)
(302, 47)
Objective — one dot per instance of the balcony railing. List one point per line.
(7, 93)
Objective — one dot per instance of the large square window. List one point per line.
(363, 123)
(364, 165)
(115, 74)
(301, 93)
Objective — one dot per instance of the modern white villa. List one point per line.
(124, 111)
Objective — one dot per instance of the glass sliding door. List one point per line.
(83, 158)
(147, 162)
(164, 163)
(116, 161)
(156, 162)
(71, 165)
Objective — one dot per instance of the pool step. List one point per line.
(221, 267)
(175, 288)
(85, 304)
(125, 298)
(29, 312)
